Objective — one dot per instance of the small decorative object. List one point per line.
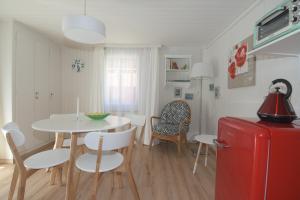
(174, 65)
(241, 67)
(177, 92)
(184, 67)
(97, 115)
(77, 65)
(189, 96)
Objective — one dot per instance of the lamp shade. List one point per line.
(83, 29)
(201, 71)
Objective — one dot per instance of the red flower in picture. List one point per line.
(241, 55)
(231, 70)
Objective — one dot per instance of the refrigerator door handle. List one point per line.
(220, 144)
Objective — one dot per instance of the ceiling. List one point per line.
(167, 22)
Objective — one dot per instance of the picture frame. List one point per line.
(178, 92)
(189, 96)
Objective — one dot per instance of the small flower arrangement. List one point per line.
(77, 65)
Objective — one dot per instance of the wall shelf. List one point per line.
(177, 69)
(288, 45)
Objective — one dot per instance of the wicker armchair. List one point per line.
(173, 123)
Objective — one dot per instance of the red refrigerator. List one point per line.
(257, 160)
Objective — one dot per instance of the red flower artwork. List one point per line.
(237, 59)
(241, 55)
(231, 70)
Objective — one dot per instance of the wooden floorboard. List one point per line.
(160, 174)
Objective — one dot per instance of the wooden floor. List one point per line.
(160, 174)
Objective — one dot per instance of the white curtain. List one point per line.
(96, 81)
(130, 82)
(120, 80)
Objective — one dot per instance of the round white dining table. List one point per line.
(71, 124)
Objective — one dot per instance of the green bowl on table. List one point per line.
(97, 115)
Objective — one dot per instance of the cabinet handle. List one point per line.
(36, 95)
(52, 94)
(220, 144)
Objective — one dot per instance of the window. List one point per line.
(120, 85)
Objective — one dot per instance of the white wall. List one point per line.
(6, 82)
(76, 83)
(166, 92)
(244, 102)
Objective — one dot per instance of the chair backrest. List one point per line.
(175, 112)
(111, 141)
(136, 119)
(15, 138)
(15, 133)
(139, 121)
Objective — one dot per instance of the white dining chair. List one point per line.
(25, 168)
(106, 158)
(139, 121)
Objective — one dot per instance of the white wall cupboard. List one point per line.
(37, 82)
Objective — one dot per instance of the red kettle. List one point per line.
(277, 106)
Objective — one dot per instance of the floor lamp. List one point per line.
(201, 71)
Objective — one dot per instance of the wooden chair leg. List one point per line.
(13, 183)
(76, 183)
(94, 187)
(54, 171)
(132, 184)
(179, 144)
(197, 157)
(82, 149)
(59, 175)
(22, 185)
(118, 182)
(179, 147)
(65, 170)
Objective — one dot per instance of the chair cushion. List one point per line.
(46, 159)
(168, 129)
(110, 160)
(175, 112)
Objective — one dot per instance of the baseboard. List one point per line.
(6, 161)
(39, 149)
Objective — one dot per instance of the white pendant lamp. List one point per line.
(83, 29)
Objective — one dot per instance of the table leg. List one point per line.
(69, 187)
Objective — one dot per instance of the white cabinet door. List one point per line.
(41, 84)
(54, 80)
(24, 85)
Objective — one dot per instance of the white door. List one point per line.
(41, 85)
(24, 85)
(55, 79)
